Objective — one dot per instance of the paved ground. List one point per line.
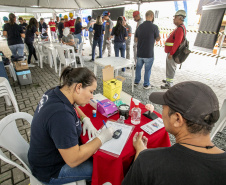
(197, 67)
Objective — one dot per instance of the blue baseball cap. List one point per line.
(106, 13)
(5, 18)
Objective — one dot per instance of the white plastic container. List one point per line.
(136, 113)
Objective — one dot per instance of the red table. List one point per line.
(107, 168)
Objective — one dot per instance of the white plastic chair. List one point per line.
(79, 54)
(6, 91)
(11, 139)
(11, 71)
(63, 60)
(221, 123)
(41, 54)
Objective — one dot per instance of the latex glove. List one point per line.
(106, 134)
(149, 107)
(87, 125)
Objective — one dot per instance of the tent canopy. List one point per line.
(71, 4)
(32, 10)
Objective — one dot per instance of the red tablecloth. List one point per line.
(107, 168)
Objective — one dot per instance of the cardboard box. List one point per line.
(112, 87)
(21, 65)
(96, 98)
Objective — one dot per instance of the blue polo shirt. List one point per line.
(55, 125)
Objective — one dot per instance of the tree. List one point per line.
(129, 14)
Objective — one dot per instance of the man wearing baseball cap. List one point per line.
(107, 36)
(139, 20)
(190, 110)
(171, 45)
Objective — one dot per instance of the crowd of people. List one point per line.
(190, 109)
(102, 33)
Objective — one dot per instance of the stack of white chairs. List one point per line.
(41, 54)
(6, 91)
(11, 140)
(63, 60)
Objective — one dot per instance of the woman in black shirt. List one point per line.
(29, 38)
(78, 29)
(98, 31)
(120, 33)
(14, 32)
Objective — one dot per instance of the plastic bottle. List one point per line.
(136, 113)
(121, 119)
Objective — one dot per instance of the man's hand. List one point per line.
(139, 142)
(87, 125)
(170, 57)
(149, 107)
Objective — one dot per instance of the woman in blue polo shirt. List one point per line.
(55, 154)
(120, 33)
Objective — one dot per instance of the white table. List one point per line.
(117, 63)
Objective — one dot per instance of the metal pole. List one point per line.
(222, 40)
(138, 6)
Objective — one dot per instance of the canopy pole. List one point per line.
(139, 5)
(221, 44)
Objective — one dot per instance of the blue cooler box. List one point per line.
(24, 77)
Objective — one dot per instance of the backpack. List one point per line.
(182, 51)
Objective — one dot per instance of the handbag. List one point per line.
(90, 29)
(182, 51)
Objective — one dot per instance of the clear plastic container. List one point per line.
(121, 119)
(136, 115)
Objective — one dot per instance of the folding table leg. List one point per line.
(133, 78)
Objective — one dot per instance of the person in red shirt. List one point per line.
(52, 26)
(66, 22)
(171, 45)
(71, 23)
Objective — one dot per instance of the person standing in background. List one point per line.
(71, 23)
(14, 32)
(146, 35)
(52, 26)
(120, 35)
(90, 29)
(107, 36)
(171, 45)
(61, 28)
(78, 30)
(32, 29)
(128, 40)
(57, 22)
(139, 20)
(66, 22)
(98, 31)
(43, 28)
(22, 23)
(6, 20)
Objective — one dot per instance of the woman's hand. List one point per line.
(87, 125)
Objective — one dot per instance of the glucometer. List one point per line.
(117, 134)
